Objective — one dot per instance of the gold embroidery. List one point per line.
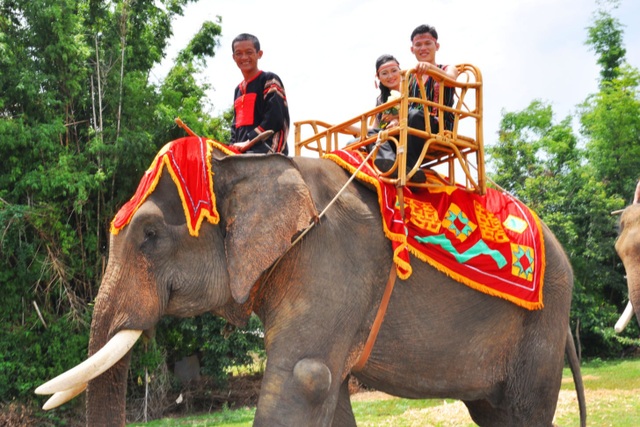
(490, 226)
(423, 215)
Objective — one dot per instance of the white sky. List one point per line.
(325, 52)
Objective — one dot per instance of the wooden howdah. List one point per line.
(449, 157)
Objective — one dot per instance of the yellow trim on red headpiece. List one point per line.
(193, 167)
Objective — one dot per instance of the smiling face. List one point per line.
(424, 47)
(246, 57)
(389, 75)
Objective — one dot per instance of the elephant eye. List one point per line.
(149, 233)
(149, 239)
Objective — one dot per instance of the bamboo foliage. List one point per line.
(79, 122)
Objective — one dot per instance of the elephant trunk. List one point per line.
(633, 282)
(126, 305)
(106, 393)
(633, 307)
(106, 396)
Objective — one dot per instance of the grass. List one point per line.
(611, 389)
(236, 418)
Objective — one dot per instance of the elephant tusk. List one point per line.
(61, 397)
(625, 318)
(102, 360)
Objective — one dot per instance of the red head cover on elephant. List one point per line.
(492, 243)
(189, 163)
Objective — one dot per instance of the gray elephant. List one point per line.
(318, 299)
(628, 251)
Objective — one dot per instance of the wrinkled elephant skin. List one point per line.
(318, 299)
(628, 248)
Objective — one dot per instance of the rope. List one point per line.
(375, 328)
(316, 220)
(495, 184)
(382, 309)
(344, 187)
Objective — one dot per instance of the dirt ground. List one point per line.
(243, 391)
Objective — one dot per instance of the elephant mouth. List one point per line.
(69, 384)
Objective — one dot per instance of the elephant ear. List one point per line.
(266, 206)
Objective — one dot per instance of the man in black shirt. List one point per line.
(260, 102)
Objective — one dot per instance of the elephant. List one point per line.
(316, 282)
(627, 249)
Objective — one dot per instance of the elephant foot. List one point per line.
(314, 378)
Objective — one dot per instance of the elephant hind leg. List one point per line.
(485, 414)
(343, 417)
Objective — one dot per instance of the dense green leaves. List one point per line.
(552, 175)
(79, 123)
(605, 38)
(610, 120)
(574, 186)
(218, 353)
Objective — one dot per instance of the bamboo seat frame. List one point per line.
(447, 149)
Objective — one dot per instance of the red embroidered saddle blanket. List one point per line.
(492, 243)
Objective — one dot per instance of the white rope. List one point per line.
(314, 221)
(344, 187)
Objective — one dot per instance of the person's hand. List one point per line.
(447, 72)
(423, 67)
(390, 119)
(241, 146)
(244, 146)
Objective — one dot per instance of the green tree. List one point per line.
(605, 38)
(79, 124)
(610, 125)
(181, 95)
(574, 187)
(540, 162)
(514, 157)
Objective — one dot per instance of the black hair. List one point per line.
(424, 29)
(246, 37)
(383, 59)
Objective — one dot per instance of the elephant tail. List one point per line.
(574, 364)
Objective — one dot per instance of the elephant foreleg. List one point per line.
(343, 416)
(306, 395)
